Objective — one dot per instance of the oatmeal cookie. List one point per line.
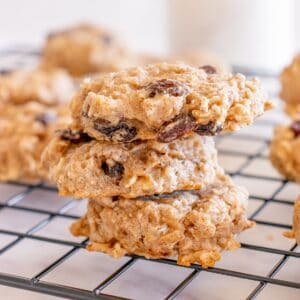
(84, 49)
(290, 87)
(285, 150)
(166, 102)
(49, 87)
(86, 168)
(24, 132)
(193, 226)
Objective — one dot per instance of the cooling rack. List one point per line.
(38, 254)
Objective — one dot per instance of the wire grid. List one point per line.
(38, 283)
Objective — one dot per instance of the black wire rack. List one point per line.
(39, 284)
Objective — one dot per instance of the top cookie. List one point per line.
(290, 88)
(165, 102)
(84, 49)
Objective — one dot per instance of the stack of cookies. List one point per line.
(140, 149)
(33, 102)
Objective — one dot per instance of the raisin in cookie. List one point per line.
(166, 102)
(86, 168)
(84, 49)
(24, 132)
(285, 150)
(193, 227)
(49, 87)
(290, 87)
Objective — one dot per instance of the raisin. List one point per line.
(124, 133)
(167, 86)
(121, 132)
(85, 112)
(106, 38)
(210, 128)
(115, 198)
(209, 69)
(104, 127)
(5, 71)
(116, 170)
(74, 136)
(69, 134)
(296, 128)
(176, 128)
(46, 118)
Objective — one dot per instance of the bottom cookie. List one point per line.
(284, 150)
(193, 226)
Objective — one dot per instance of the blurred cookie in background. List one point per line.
(33, 105)
(284, 150)
(24, 132)
(47, 86)
(84, 49)
(290, 87)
